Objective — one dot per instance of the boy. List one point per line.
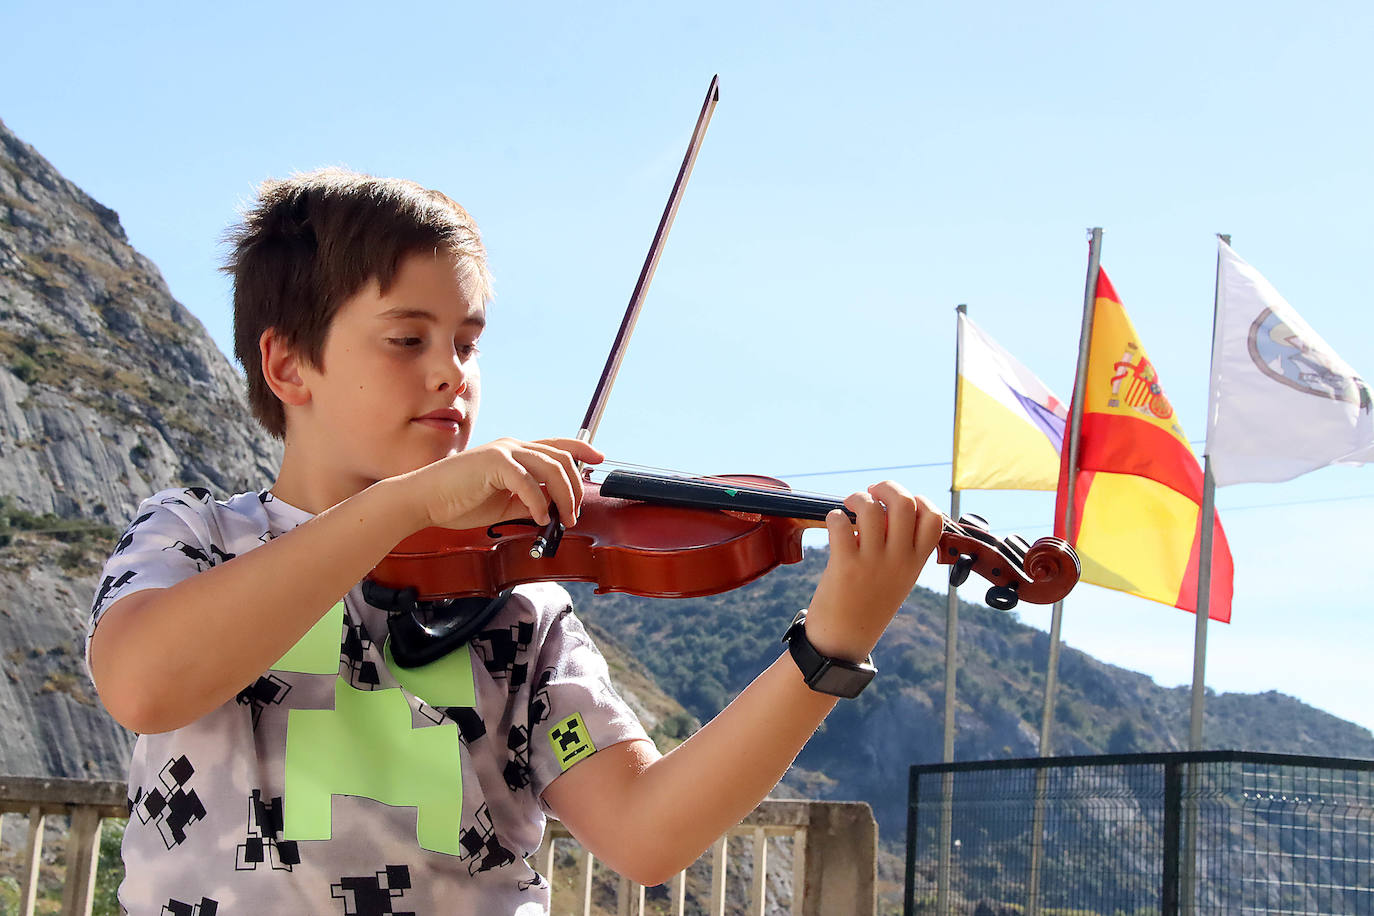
(284, 764)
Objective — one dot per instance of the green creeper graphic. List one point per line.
(317, 652)
(365, 746)
(446, 681)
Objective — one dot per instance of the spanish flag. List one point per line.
(1138, 491)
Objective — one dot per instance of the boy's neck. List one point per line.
(310, 484)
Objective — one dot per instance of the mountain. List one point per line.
(705, 650)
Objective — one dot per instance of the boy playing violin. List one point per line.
(292, 767)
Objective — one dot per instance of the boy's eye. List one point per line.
(404, 341)
(468, 351)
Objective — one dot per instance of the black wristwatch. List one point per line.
(834, 676)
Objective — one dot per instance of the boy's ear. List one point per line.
(281, 369)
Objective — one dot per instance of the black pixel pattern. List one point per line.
(517, 772)
(373, 895)
(268, 690)
(264, 843)
(169, 806)
(501, 650)
(362, 673)
(482, 851)
(108, 586)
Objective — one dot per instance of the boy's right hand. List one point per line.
(501, 480)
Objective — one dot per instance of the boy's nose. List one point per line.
(448, 375)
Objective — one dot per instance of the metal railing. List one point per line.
(833, 853)
(87, 802)
(832, 872)
(1215, 832)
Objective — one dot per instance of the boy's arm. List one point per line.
(649, 816)
(212, 634)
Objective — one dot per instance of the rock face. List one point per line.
(112, 388)
(109, 391)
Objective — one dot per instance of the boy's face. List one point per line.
(398, 387)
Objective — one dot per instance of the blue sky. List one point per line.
(868, 167)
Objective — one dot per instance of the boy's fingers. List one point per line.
(569, 465)
(558, 481)
(513, 477)
(870, 519)
(901, 514)
(841, 533)
(581, 451)
(929, 525)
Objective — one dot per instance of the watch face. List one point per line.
(841, 682)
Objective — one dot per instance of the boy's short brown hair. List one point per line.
(311, 241)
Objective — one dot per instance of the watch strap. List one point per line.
(833, 676)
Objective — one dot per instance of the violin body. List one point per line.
(620, 545)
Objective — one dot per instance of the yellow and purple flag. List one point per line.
(1138, 492)
(1008, 427)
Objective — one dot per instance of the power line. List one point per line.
(937, 464)
(1227, 509)
(899, 467)
(890, 467)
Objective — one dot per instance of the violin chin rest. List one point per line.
(415, 643)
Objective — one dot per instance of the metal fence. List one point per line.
(1211, 832)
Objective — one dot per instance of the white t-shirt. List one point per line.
(328, 785)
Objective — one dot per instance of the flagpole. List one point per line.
(1204, 571)
(1080, 385)
(952, 598)
(1207, 521)
(945, 878)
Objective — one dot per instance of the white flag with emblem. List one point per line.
(1282, 403)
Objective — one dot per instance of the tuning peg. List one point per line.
(1003, 597)
(974, 521)
(1017, 545)
(959, 570)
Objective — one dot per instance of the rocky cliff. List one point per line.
(112, 388)
(109, 390)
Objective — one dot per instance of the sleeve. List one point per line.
(575, 709)
(170, 539)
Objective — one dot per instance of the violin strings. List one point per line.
(947, 523)
(670, 472)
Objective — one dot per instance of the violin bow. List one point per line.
(546, 544)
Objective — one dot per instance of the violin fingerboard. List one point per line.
(690, 493)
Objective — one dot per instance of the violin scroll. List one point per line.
(1041, 573)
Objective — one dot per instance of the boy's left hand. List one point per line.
(874, 563)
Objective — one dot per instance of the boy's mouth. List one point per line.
(448, 419)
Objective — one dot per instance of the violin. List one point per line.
(660, 535)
